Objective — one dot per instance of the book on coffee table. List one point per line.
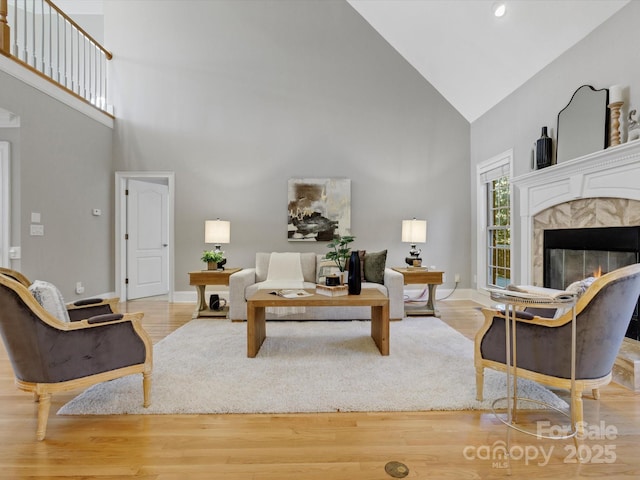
(291, 293)
(332, 291)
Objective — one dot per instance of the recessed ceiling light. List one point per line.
(499, 9)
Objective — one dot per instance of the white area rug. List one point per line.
(306, 367)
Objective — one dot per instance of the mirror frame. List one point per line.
(582, 128)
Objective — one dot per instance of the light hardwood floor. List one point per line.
(441, 445)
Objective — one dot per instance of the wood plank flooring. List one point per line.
(440, 445)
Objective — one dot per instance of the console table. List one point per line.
(200, 279)
(423, 276)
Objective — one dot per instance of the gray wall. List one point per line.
(61, 168)
(238, 97)
(608, 56)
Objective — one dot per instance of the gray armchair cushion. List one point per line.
(76, 314)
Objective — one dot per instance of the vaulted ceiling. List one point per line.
(471, 57)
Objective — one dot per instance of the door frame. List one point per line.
(121, 227)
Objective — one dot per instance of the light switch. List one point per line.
(37, 230)
(14, 253)
(35, 218)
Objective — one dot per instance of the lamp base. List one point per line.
(413, 261)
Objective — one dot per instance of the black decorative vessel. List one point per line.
(354, 280)
(543, 150)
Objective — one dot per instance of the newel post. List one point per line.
(4, 28)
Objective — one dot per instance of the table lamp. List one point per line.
(217, 232)
(413, 232)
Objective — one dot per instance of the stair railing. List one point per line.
(40, 36)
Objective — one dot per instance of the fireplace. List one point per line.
(594, 191)
(573, 254)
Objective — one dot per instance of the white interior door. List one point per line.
(147, 239)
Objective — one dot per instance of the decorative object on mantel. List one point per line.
(217, 232)
(615, 104)
(583, 125)
(633, 127)
(413, 232)
(543, 150)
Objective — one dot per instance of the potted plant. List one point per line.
(212, 258)
(341, 251)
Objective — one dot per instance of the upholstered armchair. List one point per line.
(49, 355)
(77, 310)
(603, 313)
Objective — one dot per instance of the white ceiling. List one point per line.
(471, 57)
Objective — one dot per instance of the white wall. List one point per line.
(608, 56)
(238, 97)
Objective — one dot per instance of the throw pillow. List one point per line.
(47, 295)
(580, 286)
(361, 254)
(374, 265)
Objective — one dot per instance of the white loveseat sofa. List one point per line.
(246, 282)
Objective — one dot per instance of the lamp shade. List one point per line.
(414, 231)
(217, 231)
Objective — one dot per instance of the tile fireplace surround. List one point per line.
(601, 189)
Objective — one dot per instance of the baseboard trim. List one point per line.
(188, 296)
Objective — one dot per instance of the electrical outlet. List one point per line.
(79, 288)
(457, 278)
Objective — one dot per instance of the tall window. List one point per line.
(493, 202)
(498, 232)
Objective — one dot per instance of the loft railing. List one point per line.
(40, 36)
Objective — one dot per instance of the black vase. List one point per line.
(543, 150)
(354, 280)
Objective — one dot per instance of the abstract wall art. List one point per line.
(318, 209)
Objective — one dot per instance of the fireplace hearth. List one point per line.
(573, 254)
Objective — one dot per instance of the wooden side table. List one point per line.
(201, 279)
(431, 278)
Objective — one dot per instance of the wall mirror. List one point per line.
(583, 125)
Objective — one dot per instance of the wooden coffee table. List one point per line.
(256, 305)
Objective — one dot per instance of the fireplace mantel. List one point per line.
(614, 173)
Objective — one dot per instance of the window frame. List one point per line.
(495, 167)
(494, 249)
